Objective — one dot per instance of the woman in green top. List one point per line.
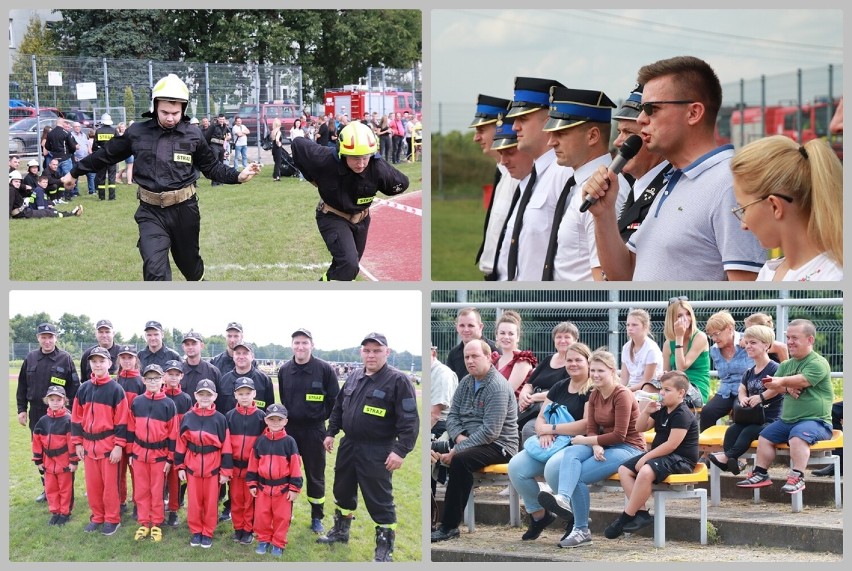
(687, 348)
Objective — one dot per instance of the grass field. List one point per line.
(259, 231)
(456, 236)
(31, 539)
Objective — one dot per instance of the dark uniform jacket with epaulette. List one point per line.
(194, 373)
(377, 408)
(161, 355)
(309, 391)
(339, 186)
(40, 370)
(52, 446)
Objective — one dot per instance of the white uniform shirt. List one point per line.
(499, 211)
(503, 261)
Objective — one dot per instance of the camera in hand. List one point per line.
(442, 446)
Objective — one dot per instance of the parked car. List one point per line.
(18, 113)
(25, 135)
(287, 112)
(81, 116)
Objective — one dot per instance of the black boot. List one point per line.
(385, 538)
(826, 471)
(340, 532)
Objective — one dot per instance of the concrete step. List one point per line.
(737, 521)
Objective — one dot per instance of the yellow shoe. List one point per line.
(156, 534)
(141, 533)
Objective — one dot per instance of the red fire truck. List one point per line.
(355, 101)
(753, 123)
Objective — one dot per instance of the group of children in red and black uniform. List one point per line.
(162, 438)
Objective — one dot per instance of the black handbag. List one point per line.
(748, 414)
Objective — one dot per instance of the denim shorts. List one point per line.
(810, 430)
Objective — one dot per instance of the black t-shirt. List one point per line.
(544, 376)
(575, 402)
(323, 135)
(681, 417)
(754, 386)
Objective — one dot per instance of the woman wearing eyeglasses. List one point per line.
(791, 196)
(730, 361)
(686, 348)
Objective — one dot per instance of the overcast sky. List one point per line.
(482, 51)
(336, 319)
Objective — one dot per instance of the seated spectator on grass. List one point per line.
(483, 430)
(611, 438)
(515, 365)
(730, 361)
(35, 206)
(790, 196)
(778, 351)
(805, 380)
(641, 357)
(545, 376)
(573, 393)
(673, 451)
(751, 393)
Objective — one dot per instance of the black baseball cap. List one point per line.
(55, 390)
(127, 349)
(46, 328)
(172, 364)
(235, 325)
(153, 367)
(276, 409)
(205, 385)
(104, 323)
(303, 331)
(193, 335)
(100, 352)
(153, 325)
(377, 337)
(244, 382)
(245, 345)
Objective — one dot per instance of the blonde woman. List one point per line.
(275, 136)
(791, 197)
(512, 363)
(686, 348)
(573, 393)
(641, 357)
(778, 352)
(610, 439)
(730, 361)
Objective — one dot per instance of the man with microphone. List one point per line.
(578, 128)
(690, 234)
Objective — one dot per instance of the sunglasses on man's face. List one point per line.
(651, 106)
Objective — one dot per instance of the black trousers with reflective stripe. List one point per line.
(362, 464)
(176, 228)
(309, 440)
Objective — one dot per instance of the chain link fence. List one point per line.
(600, 315)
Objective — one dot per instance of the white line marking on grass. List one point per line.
(367, 274)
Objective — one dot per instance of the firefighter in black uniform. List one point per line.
(105, 178)
(105, 338)
(377, 409)
(168, 150)
(308, 388)
(348, 181)
(42, 368)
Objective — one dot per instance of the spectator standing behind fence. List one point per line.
(730, 361)
(296, 130)
(778, 351)
(239, 135)
(515, 365)
(805, 380)
(686, 348)
(82, 139)
(611, 438)
(398, 132)
(275, 136)
(757, 340)
(641, 357)
(385, 138)
(791, 197)
(469, 327)
(572, 392)
(482, 426)
(673, 451)
(62, 147)
(545, 376)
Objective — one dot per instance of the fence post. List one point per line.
(613, 325)
(783, 313)
(207, 90)
(35, 96)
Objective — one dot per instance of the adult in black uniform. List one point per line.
(377, 409)
(155, 351)
(168, 150)
(105, 178)
(42, 368)
(308, 387)
(194, 368)
(105, 334)
(469, 327)
(224, 361)
(244, 367)
(216, 135)
(347, 182)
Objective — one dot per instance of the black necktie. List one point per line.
(547, 274)
(519, 222)
(494, 276)
(497, 176)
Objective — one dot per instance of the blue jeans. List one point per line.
(523, 470)
(90, 178)
(241, 155)
(580, 468)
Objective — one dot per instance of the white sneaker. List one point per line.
(577, 538)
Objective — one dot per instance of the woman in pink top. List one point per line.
(611, 438)
(512, 363)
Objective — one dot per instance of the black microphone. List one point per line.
(628, 150)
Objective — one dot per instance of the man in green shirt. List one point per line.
(805, 381)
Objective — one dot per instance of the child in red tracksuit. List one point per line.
(99, 433)
(183, 402)
(129, 379)
(245, 422)
(55, 456)
(204, 461)
(275, 480)
(151, 432)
